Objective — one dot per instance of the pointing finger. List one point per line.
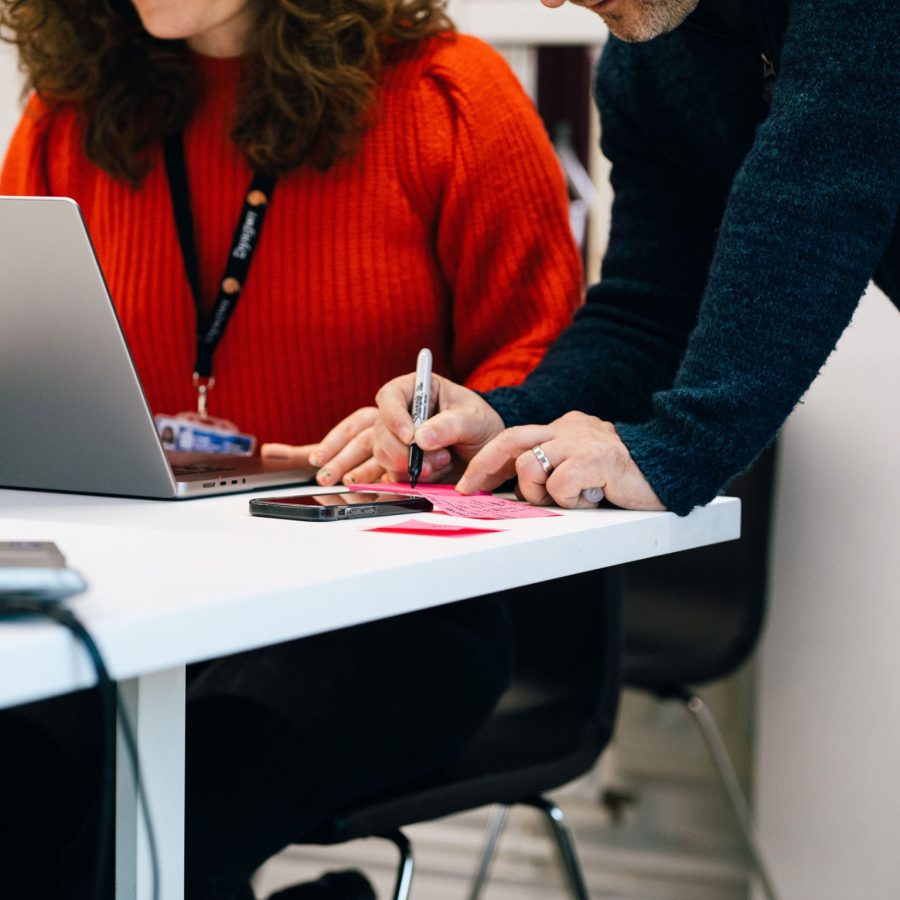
(495, 462)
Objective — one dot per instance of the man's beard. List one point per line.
(647, 19)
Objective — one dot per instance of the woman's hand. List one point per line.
(582, 453)
(461, 423)
(344, 454)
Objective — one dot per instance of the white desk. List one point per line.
(176, 582)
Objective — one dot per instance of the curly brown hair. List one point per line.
(307, 84)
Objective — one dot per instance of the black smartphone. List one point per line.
(341, 505)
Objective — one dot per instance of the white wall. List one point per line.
(526, 22)
(828, 725)
(10, 88)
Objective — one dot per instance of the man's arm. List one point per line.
(806, 223)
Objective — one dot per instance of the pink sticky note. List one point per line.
(486, 506)
(434, 529)
(482, 505)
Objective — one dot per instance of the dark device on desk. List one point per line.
(36, 570)
(342, 505)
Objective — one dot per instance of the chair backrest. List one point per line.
(696, 616)
(550, 726)
(560, 709)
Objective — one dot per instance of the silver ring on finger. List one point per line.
(541, 457)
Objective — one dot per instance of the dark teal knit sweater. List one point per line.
(743, 236)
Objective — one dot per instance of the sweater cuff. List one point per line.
(682, 471)
(515, 406)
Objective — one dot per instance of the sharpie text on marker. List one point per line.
(419, 411)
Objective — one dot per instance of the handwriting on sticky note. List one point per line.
(486, 506)
(433, 529)
(470, 506)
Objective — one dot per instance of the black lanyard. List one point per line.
(211, 327)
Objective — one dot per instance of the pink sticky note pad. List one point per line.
(482, 505)
(433, 529)
(486, 506)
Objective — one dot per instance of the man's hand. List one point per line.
(583, 452)
(461, 423)
(344, 454)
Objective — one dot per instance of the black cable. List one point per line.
(111, 705)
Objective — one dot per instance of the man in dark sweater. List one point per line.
(755, 149)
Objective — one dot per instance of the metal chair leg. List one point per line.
(493, 831)
(565, 844)
(405, 866)
(711, 735)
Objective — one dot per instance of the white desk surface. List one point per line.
(175, 582)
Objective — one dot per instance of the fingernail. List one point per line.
(442, 458)
(315, 460)
(324, 476)
(350, 479)
(462, 485)
(404, 432)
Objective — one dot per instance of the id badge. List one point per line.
(188, 432)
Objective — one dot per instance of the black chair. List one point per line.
(548, 729)
(689, 619)
(695, 617)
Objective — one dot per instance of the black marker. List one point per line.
(419, 411)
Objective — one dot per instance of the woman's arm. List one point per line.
(479, 157)
(503, 236)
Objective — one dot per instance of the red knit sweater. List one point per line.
(448, 229)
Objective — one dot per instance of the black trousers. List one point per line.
(278, 739)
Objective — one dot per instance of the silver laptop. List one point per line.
(73, 415)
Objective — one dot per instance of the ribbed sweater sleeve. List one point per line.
(503, 237)
(806, 224)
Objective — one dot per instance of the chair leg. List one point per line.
(565, 844)
(709, 730)
(405, 866)
(494, 830)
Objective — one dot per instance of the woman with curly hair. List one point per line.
(416, 199)
(411, 199)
